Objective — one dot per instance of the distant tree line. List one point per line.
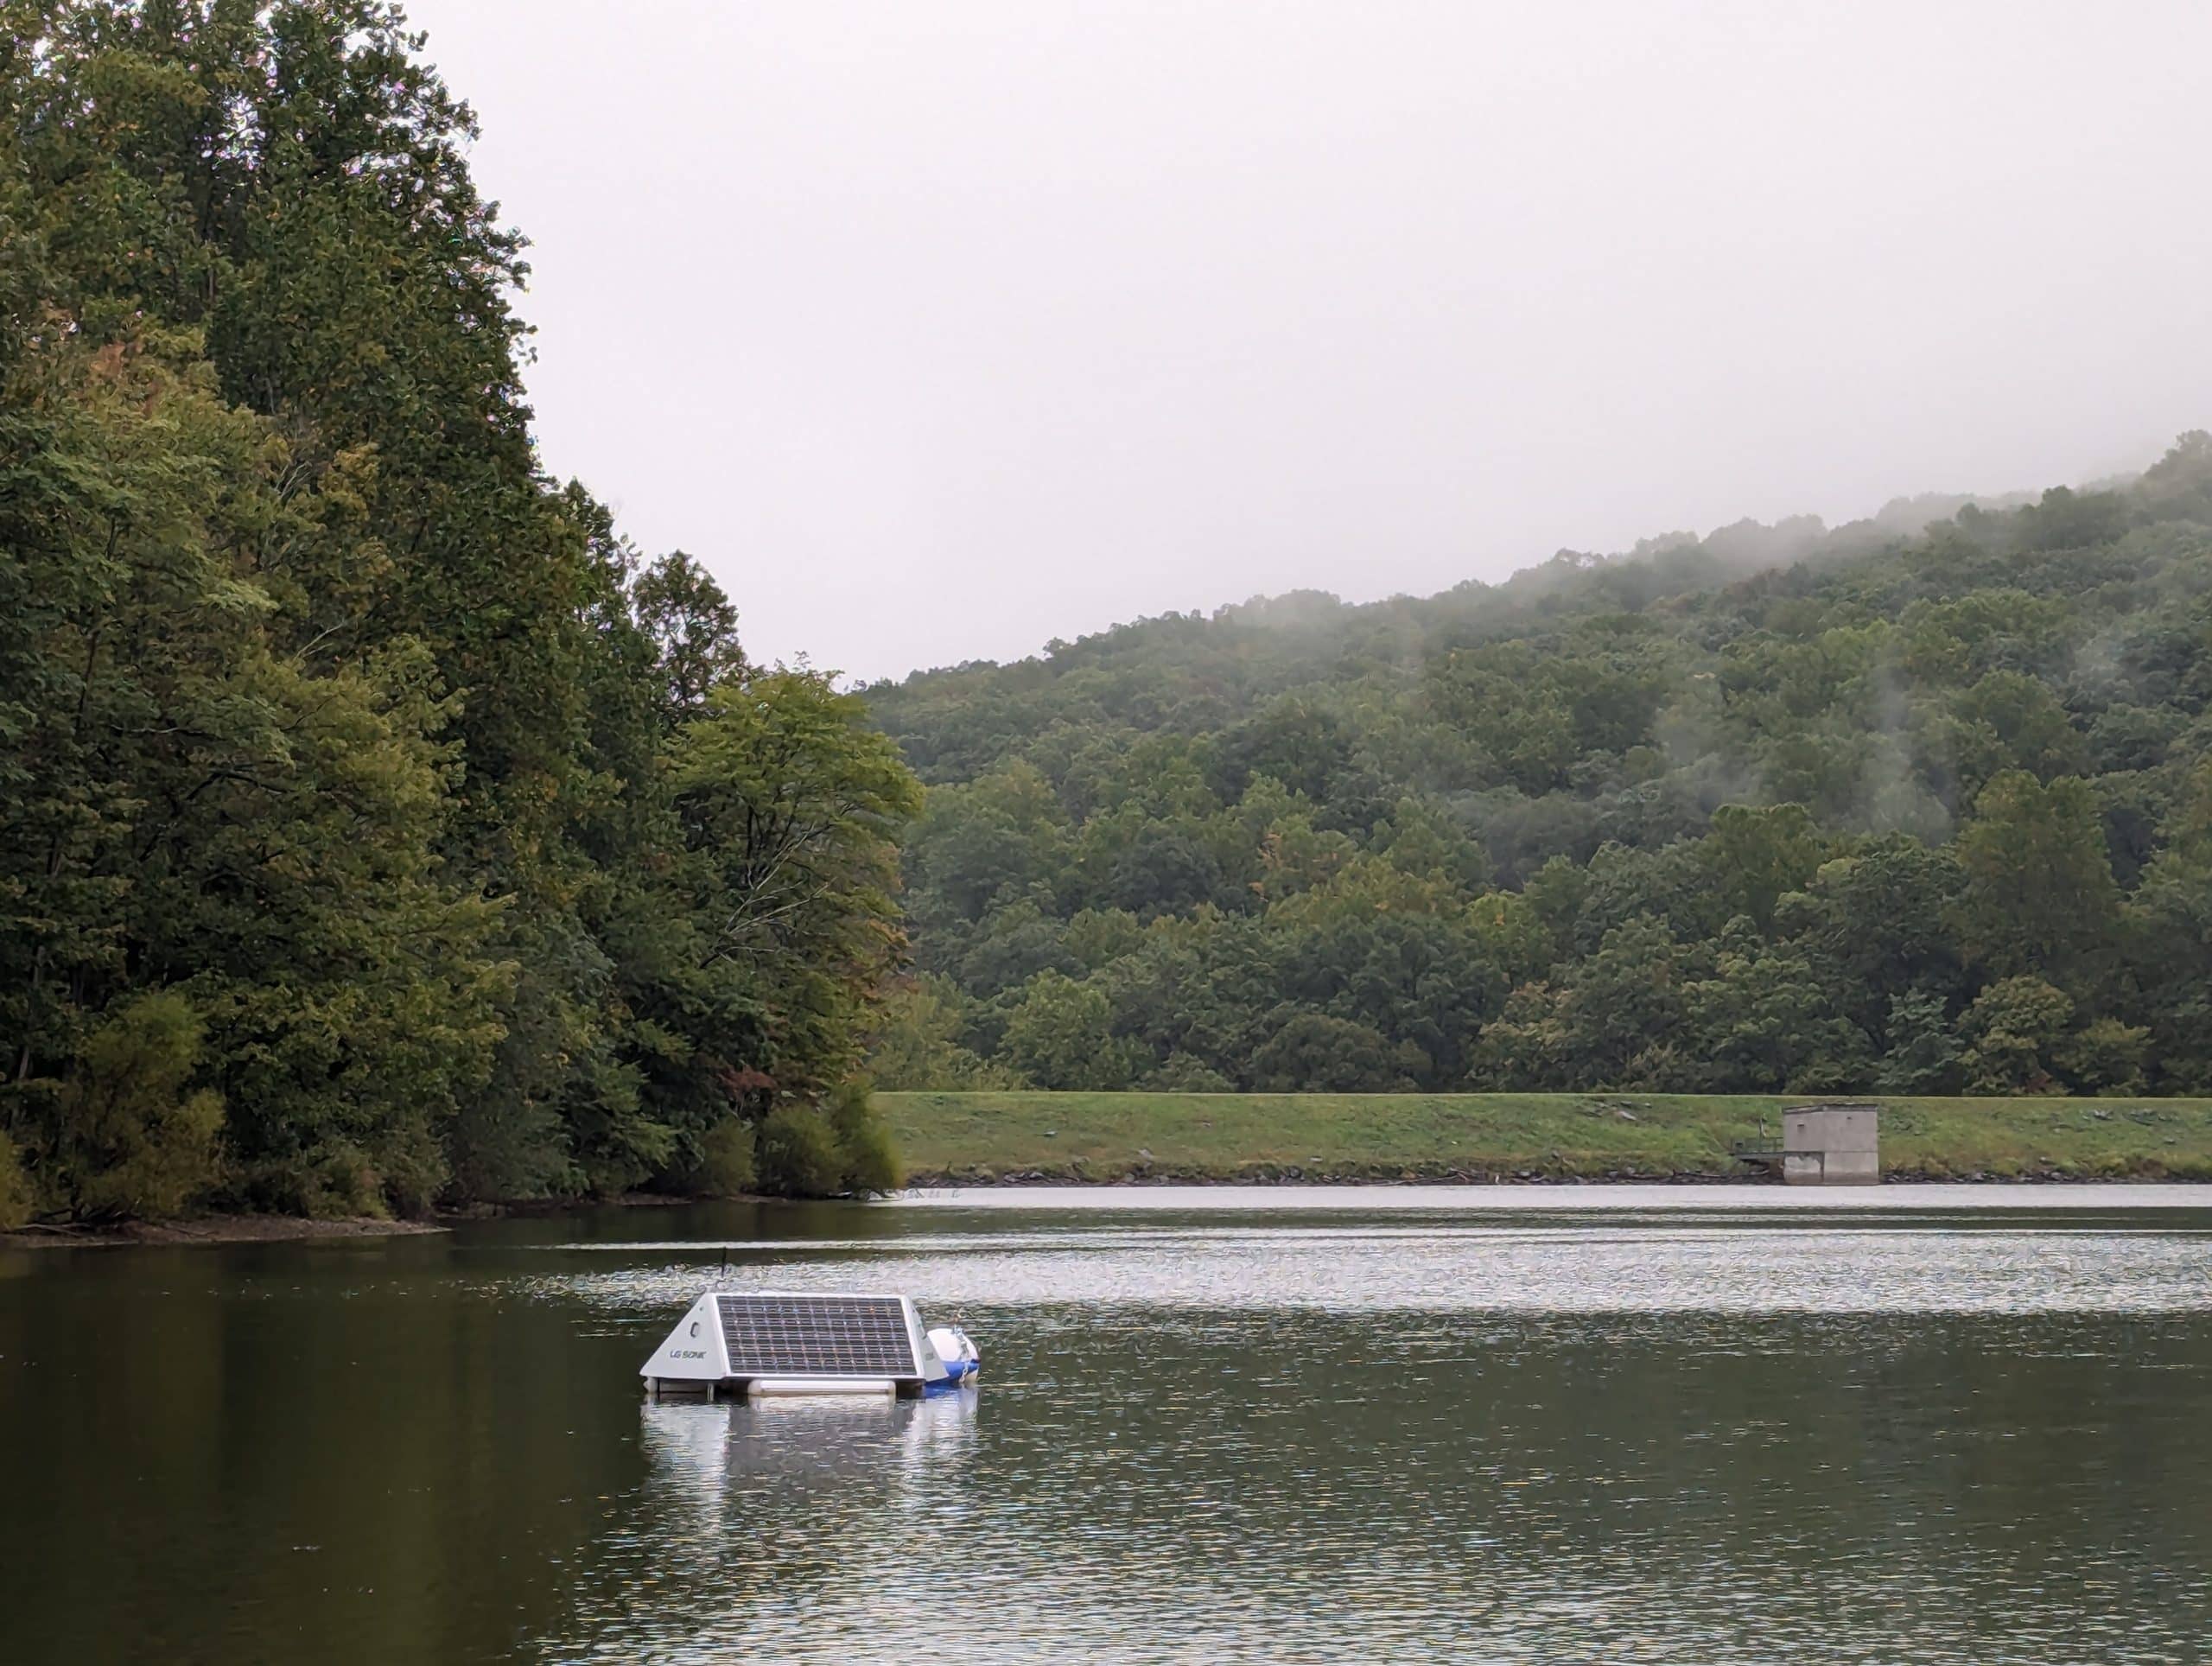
(1923, 805)
(377, 829)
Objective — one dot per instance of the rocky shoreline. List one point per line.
(220, 1229)
(212, 1230)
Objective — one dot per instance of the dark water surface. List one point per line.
(1928, 1424)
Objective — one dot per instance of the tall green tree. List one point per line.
(2040, 899)
(357, 775)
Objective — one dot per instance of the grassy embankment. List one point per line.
(981, 1137)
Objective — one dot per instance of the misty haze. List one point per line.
(1155, 832)
(941, 332)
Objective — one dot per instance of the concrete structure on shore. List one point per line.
(1831, 1145)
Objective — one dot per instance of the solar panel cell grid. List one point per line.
(817, 1336)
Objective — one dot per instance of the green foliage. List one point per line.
(872, 1164)
(2040, 895)
(692, 627)
(1753, 857)
(481, 861)
(1181, 1073)
(379, 830)
(728, 1159)
(799, 1154)
(131, 1136)
(790, 806)
(919, 1040)
(2105, 1056)
(2014, 1028)
(1061, 1035)
(2170, 957)
(1924, 1053)
(1332, 1055)
(1772, 810)
(17, 1201)
(838, 1147)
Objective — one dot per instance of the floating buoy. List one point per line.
(957, 1350)
(779, 1343)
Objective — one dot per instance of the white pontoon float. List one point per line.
(778, 1342)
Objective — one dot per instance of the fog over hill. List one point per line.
(1736, 551)
(939, 331)
(1920, 802)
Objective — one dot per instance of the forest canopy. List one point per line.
(1919, 804)
(378, 828)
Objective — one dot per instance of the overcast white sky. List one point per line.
(941, 329)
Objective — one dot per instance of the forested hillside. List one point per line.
(1921, 805)
(376, 827)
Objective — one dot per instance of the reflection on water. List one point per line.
(773, 1515)
(1281, 1429)
(768, 1452)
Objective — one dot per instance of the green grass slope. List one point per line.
(983, 1137)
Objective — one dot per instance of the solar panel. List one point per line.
(817, 1336)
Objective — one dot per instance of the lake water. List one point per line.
(1926, 1424)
